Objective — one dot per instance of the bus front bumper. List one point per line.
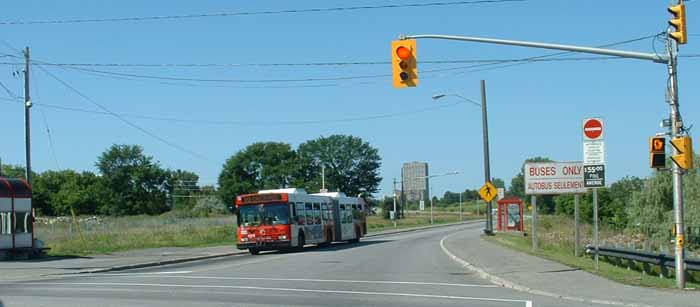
(265, 245)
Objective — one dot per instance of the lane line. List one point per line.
(301, 280)
(511, 285)
(465, 298)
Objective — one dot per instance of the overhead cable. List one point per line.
(252, 13)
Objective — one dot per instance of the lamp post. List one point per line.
(431, 199)
(485, 132)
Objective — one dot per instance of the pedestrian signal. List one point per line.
(657, 152)
(404, 63)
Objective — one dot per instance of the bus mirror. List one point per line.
(232, 209)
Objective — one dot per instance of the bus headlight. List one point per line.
(244, 239)
(282, 237)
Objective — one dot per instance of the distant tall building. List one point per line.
(415, 188)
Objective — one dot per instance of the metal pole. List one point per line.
(431, 205)
(403, 197)
(676, 125)
(394, 216)
(487, 167)
(533, 199)
(595, 227)
(619, 53)
(460, 206)
(27, 126)
(323, 178)
(577, 233)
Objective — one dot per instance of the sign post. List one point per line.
(594, 168)
(551, 178)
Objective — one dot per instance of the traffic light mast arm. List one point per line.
(619, 53)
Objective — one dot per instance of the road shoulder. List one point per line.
(523, 272)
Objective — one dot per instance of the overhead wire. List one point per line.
(121, 118)
(253, 13)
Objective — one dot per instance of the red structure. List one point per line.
(510, 214)
(16, 218)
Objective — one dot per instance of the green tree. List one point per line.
(498, 182)
(259, 166)
(352, 165)
(133, 183)
(181, 186)
(57, 192)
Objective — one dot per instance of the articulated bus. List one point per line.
(290, 218)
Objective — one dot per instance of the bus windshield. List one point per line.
(265, 214)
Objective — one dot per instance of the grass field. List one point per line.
(556, 243)
(109, 234)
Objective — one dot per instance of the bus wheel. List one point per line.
(254, 251)
(301, 241)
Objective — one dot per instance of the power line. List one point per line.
(137, 127)
(252, 123)
(252, 13)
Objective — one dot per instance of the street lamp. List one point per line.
(431, 199)
(485, 129)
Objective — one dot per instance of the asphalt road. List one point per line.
(408, 269)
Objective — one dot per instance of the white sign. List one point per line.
(501, 193)
(422, 205)
(593, 152)
(554, 178)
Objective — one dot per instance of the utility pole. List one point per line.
(323, 178)
(403, 197)
(27, 126)
(676, 127)
(394, 216)
(487, 167)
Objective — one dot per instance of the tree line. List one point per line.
(129, 182)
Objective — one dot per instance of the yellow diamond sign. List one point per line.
(488, 192)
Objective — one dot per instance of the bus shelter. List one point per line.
(510, 214)
(16, 218)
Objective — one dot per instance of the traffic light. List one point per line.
(678, 21)
(404, 63)
(684, 158)
(657, 152)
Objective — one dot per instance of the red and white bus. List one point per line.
(291, 218)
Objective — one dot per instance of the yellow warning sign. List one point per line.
(488, 192)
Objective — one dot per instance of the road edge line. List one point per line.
(511, 285)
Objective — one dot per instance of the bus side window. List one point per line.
(301, 217)
(309, 214)
(342, 214)
(324, 212)
(317, 213)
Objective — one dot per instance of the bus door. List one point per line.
(337, 218)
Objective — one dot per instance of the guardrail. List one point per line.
(692, 264)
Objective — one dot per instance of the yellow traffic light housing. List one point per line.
(684, 146)
(404, 63)
(679, 22)
(657, 152)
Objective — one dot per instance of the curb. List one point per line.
(160, 263)
(197, 258)
(511, 285)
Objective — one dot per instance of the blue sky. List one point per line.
(535, 109)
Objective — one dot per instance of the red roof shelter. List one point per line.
(510, 214)
(16, 218)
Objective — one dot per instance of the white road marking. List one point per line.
(465, 298)
(304, 280)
